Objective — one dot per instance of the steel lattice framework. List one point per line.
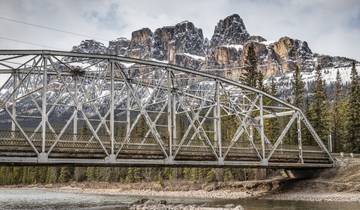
(90, 109)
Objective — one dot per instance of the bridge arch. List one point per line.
(92, 109)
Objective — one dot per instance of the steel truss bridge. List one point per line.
(91, 109)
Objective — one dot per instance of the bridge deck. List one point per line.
(14, 150)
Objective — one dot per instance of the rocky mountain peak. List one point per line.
(230, 30)
(291, 52)
(171, 42)
(141, 36)
(257, 39)
(141, 43)
(90, 46)
(184, 44)
(189, 39)
(163, 42)
(287, 46)
(119, 46)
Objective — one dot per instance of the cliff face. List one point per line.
(224, 56)
(163, 42)
(119, 46)
(141, 44)
(90, 46)
(184, 44)
(174, 43)
(230, 30)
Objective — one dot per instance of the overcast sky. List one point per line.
(330, 26)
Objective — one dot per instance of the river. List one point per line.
(32, 198)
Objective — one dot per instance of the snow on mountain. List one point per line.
(184, 44)
(236, 46)
(196, 57)
(284, 82)
(230, 30)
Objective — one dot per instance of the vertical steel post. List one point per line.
(128, 107)
(262, 133)
(13, 111)
(128, 112)
(75, 121)
(112, 107)
(173, 103)
(217, 120)
(330, 143)
(299, 138)
(169, 114)
(43, 109)
(251, 131)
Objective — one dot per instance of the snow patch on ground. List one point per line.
(196, 57)
(267, 42)
(86, 66)
(3, 91)
(328, 75)
(127, 65)
(160, 61)
(236, 46)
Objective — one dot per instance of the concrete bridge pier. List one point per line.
(302, 173)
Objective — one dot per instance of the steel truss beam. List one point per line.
(186, 115)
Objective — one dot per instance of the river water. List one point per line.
(44, 199)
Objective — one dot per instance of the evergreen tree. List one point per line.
(318, 107)
(65, 174)
(337, 113)
(211, 176)
(272, 126)
(79, 174)
(353, 115)
(52, 174)
(260, 81)
(133, 175)
(250, 74)
(273, 89)
(305, 134)
(297, 99)
(298, 89)
(90, 174)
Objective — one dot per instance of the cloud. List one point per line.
(330, 26)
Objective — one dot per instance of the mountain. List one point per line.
(184, 44)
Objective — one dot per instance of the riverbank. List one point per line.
(270, 190)
(180, 188)
(338, 184)
(341, 183)
(275, 189)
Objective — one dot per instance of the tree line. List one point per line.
(334, 114)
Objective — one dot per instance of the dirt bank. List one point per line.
(341, 183)
(223, 190)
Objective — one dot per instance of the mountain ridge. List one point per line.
(184, 44)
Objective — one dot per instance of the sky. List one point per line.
(329, 26)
